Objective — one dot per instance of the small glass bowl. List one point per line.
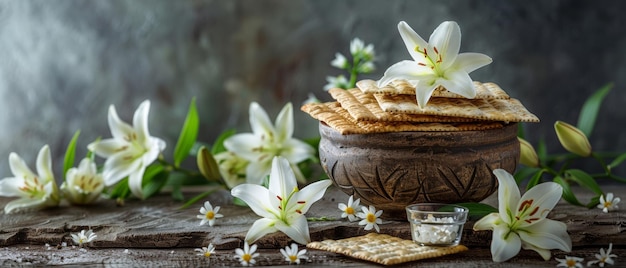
(436, 224)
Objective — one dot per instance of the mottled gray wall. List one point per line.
(63, 62)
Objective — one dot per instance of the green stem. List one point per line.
(354, 72)
(602, 163)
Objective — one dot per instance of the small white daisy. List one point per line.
(83, 237)
(247, 255)
(292, 255)
(608, 203)
(570, 262)
(206, 251)
(209, 214)
(370, 218)
(351, 209)
(604, 257)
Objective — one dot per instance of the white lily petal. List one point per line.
(244, 144)
(311, 193)
(508, 194)
(44, 164)
(260, 121)
(107, 147)
(469, 62)
(116, 168)
(284, 123)
(545, 196)
(119, 128)
(19, 168)
(505, 244)
(157, 145)
(406, 70)
(256, 197)
(135, 180)
(282, 180)
(24, 203)
(298, 229)
(423, 92)
(487, 222)
(297, 151)
(10, 187)
(257, 171)
(547, 234)
(140, 120)
(544, 253)
(459, 82)
(447, 39)
(412, 41)
(260, 228)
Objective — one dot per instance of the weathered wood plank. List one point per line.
(152, 229)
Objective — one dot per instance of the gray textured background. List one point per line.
(63, 62)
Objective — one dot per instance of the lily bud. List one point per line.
(528, 156)
(572, 139)
(207, 165)
(83, 185)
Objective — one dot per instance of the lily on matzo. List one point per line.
(282, 205)
(521, 221)
(35, 191)
(435, 63)
(130, 150)
(267, 141)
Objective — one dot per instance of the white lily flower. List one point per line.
(604, 257)
(292, 255)
(336, 82)
(206, 251)
(267, 141)
(83, 237)
(130, 150)
(340, 61)
(370, 218)
(570, 262)
(232, 168)
(522, 223)
(208, 213)
(351, 209)
(359, 49)
(84, 184)
(283, 205)
(608, 203)
(247, 254)
(35, 191)
(311, 99)
(436, 63)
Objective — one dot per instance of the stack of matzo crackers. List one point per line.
(393, 108)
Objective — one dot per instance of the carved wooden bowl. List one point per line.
(393, 170)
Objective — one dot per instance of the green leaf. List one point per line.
(70, 153)
(617, 161)
(524, 172)
(154, 179)
(218, 146)
(568, 195)
(589, 111)
(535, 179)
(542, 150)
(120, 190)
(188, 134)
(583, 179)
(197, 198)
(478, 210)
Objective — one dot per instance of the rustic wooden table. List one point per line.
(157, 232)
